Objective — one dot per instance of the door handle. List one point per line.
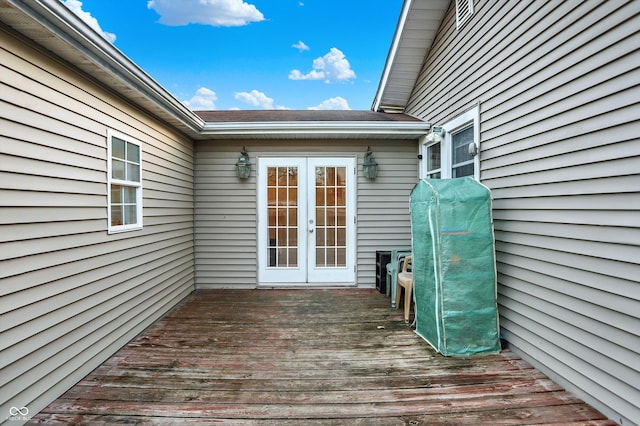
(311, 230)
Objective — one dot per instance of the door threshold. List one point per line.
(303, 286)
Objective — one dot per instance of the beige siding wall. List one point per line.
(70, 294)
(226, 207)
(558, 87)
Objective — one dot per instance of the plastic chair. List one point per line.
(393, 268)
(405, 280)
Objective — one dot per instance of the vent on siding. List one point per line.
(464, 10)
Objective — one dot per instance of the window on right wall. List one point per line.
(457, 154)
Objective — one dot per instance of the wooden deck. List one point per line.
(311, 357)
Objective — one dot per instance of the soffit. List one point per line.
(416, 30)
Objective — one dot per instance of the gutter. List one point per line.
(329, 129)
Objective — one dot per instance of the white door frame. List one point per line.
(305, 272)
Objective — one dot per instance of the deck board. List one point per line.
(282, 357)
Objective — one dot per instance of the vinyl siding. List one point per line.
(226, 207)
(70, 294)
(558, 87)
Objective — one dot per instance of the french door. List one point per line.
(306, 221)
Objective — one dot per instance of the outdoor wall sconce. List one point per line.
(243, 165)
(370, 167)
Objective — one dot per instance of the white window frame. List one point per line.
(111, 229)
(464, 120)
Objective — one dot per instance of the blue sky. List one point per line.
(254, 54)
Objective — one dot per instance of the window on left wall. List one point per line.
(124, 195)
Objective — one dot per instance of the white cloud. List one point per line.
(255, 98)
(76, 7)
(333, 66)
(258, 99)
(218, 13)
(312, 75)
(333, 103)
(300, 46)
(204, 99)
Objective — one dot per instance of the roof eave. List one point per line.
(74, 41)
(315, 130)
(417, 28)
(391, 57)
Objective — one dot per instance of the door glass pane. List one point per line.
(282, 176)
(293, 217)
(320, 220)
(320, 171)
(331, 176)
(331, 256)
(330, 217)
(331, 238)
(341, 214)
(293, 194)
(320, 256)
(293, 176)
(342, 177)
(282, 218)
(282, 197)
(292, 256)
(271, 213)
(271, 178)
(331, 197)
(320, 194)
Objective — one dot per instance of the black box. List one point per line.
(382, 258)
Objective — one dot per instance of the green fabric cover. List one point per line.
(454, 268)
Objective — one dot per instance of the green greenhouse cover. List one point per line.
(454, 268)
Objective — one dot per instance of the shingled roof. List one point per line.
(265, 116)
